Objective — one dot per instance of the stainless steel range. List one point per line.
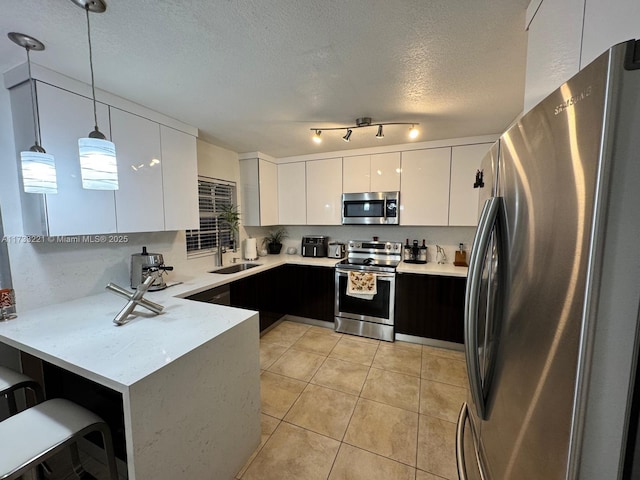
(365, 289)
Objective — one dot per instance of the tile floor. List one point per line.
(342, 407)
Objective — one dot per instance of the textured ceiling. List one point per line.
(255, 75)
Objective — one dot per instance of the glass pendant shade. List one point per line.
(98, 166)
(38, 172)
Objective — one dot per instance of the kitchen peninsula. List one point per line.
(188, 378)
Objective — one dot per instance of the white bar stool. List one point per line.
(12, 381)
(30, 437)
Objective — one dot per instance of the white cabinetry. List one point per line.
(64, 117)
(356, 174)
(385, 172)
(179, 179)
(553, 47)
(259, 192)
(424, 191)
(158, 187)
(324, 191)
(139, 200)
(463, 198)
(607, 22)
(292, 194)
(371, 173)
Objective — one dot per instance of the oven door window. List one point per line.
(376, 309)
(363, 209)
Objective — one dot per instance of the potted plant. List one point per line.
(273, 240)
(229, 214)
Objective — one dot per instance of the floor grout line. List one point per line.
(342, 442)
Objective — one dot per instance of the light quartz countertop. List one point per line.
(203, 282)
(79, 335)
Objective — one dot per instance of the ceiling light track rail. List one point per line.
(364, 122)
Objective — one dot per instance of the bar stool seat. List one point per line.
(33, 435)
(11, 381)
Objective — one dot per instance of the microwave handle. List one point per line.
(385, 208)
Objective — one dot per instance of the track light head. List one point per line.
(347, 136)
(316, 136)
(379, 134)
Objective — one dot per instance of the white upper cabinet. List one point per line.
(553, 47)
(607, 22)
(259, 180)
(424, 190)
(157, 182)
(356, 174)
(385, 172)
(268, 193)
(139, 199)
(179, 179)
(324, 191)
(65, 117)
(292, 193)
(371, 173)
(463, 198)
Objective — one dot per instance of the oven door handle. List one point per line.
(378, 275)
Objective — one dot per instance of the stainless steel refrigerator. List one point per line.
(553, 290)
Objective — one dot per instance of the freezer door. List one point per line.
(547, 180)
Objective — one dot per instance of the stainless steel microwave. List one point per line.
(371, 208)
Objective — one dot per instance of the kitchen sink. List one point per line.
(238, 267)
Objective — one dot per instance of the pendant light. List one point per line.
(98, 166)
(38, 166)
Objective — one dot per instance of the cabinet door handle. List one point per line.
(472, 299)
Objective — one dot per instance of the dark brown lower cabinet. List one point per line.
(301, 290)
(430, 306)
(310, 291)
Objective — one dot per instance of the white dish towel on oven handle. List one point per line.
(363, 285)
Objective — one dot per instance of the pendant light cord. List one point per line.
(93, 85)
(36, 121)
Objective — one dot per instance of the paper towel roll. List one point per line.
(250, 249)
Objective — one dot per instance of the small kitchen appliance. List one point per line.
(368, 316)
(415, 253)
(336, 250)
(371, 208)
(315, 246)
(145, 263)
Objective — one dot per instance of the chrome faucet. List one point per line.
(219, 253)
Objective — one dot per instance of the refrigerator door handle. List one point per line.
(472, 299)
(462, 420)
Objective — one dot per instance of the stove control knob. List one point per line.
(387, 246)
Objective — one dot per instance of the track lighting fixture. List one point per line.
(366, 122)
(38, 167)
(98, 166)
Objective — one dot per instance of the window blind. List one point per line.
(213, 194)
